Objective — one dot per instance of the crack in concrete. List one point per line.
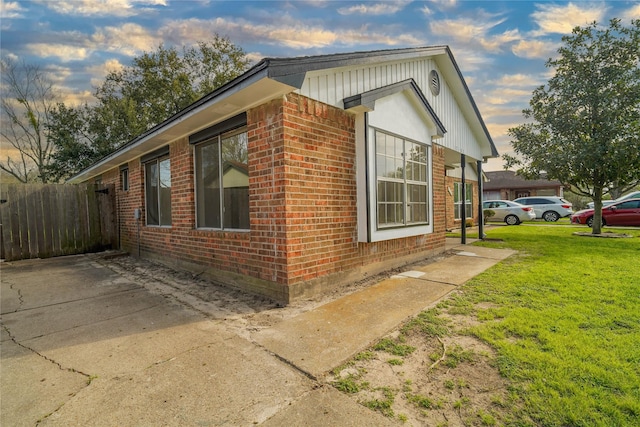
(48, 359)
(58, 364)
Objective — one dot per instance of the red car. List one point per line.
(626, 212)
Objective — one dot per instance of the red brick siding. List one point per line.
(302, 201)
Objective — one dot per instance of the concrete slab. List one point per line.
(480, 251)
(455, 270)
(32, 386)
(321, 339)
(325, 407)
(227, 381)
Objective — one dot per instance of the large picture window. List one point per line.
(157, 180)
(222, 181)
(458, 200)
(402, 181)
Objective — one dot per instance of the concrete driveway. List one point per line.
(96, 342)
(83, 345)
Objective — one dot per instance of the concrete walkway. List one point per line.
(321, 339)
(84, 345)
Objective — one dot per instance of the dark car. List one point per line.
(620, 213)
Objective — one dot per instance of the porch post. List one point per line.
(480, 198)
(463, 210)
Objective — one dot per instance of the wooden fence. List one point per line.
(46, 220)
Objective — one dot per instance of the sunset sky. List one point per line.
(500, 46)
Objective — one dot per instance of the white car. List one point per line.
(511, 213)
(549, 208)
(634, 195)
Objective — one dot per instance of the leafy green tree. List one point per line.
(28, 97)
(584, 124)
(130, 101)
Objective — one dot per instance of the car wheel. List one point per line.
(590, 222)
(512, 220)
(550, 216)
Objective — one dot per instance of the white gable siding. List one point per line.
(333, 85)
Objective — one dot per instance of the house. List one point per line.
(506, 185)
(305, 173)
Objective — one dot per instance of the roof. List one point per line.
(508, 179)
(269, 79)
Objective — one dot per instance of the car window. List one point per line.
(628, 205)
(541, 201)
(501, 205)
(522, 201)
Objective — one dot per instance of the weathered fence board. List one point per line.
(45, 220)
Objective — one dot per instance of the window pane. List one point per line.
(151, 192)
(165, 192)
(208, 185)
(235, 179)
(401, 169)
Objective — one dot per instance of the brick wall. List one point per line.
(302, 201)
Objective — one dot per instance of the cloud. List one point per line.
(561, 19)
(517, 80)
(10, 9)
(285, 31)
(129, 39)
(631, 13)
(100, 8)
(535, 49)
(474, 32)
(98, 72)
(64, 52)
(386, 8)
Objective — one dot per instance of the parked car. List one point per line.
(549, 208)
(626, 212)
(511, 213)
(633, 195)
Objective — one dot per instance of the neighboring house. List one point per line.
(506, 185)
(305, 173)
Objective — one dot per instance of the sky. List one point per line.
(501, 46)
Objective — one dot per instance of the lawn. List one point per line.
(548, 337)
(565, 322)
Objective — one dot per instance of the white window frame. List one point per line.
(368, 231)
(457, 200)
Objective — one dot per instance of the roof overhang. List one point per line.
(252, 89)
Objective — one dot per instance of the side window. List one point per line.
(157, 179)
(222, 181)
(124, 179)
(458, 200)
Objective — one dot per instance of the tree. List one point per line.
(156, 86)
(584, 128)
(27, 99)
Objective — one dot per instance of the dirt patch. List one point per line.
(445, 381)
(609, 234)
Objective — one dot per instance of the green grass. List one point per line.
(565, 321)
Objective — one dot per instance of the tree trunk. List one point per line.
(597, 211)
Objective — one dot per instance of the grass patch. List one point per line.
(350, 384)
(567, 323)
(394, 347)
(428, 323)
(384, 404)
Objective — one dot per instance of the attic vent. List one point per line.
(434, 82)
